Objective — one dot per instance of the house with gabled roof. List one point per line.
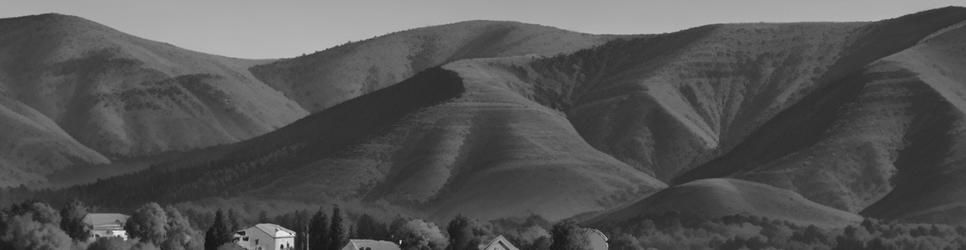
(265, 236)
(363, 244)
(498, 243)
(106, 225)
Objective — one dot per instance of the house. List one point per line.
(355, 244)
(596, 239)
(106, 225)
(498, 243)
(265, 236)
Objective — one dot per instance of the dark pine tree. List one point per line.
(566, 236)
(368, 227)
(234, 223)
(394, 227)
(72, 221)
(460, 231)
(318, 231)
(300, 234)
(219, 233)
(338, 234)
(262, 217)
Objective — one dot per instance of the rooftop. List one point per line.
(275, 230)
(106, 220)
(373, 244)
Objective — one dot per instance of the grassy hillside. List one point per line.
(929, 177)
(488, 153)
(783, 104)
(669, 103)
(123, 96)
(843, 114)
(844, 144)
(34, 145)
(326, 78)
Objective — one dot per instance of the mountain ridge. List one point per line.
(851, 117)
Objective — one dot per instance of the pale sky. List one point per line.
(287, 28)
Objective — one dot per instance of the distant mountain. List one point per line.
(120, 96)
(855, 117)
(84, 93)
(715, 198)
(751, 101)
(323, 79)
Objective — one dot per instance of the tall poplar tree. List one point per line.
(338, 234)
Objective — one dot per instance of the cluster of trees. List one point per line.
(32, 226)
(330, 231)
(37, 225)
(676, 231)
(316, 233)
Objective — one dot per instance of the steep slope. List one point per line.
(33, 145)
(668, 103)
(843, 145)
(332, 76)
(930, 174)
(124, 96)
(839, 112)
(714, 198)
(446, 141)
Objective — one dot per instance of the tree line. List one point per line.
(678, 231)
(37, 225)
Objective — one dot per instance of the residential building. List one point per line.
(265, 236)
(106, 225)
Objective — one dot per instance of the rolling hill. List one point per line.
(776, 103)
(928, 182)
(325, 78)
(449, 140)
(87, 94)
(854, 142)
(671, 103)
(119, 97)
(808, 122)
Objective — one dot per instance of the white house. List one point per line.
(265, 236)
(498, 243)
(370, 245)
(106, 225)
